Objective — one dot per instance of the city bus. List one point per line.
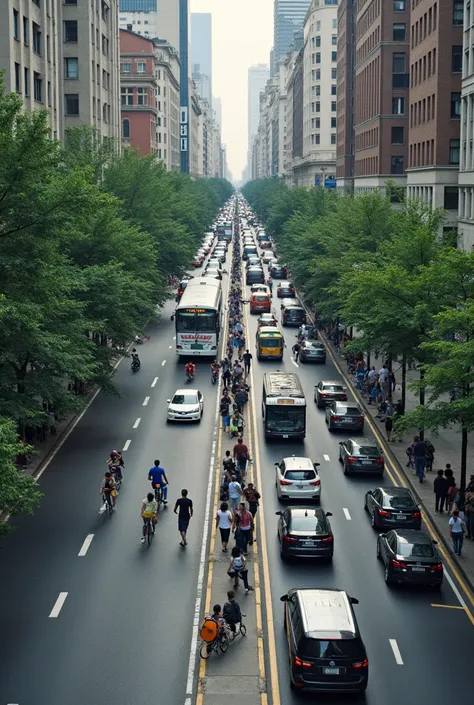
(198, 318)
(283, 406)
(224, 230)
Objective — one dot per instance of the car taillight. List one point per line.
(361, 418)
(336, 418)
(352, 460)
(285, 482)
(290, 539)
(361, 664)
(398, 564)
(379, 460)
(416, 515)
(436, 568)
(302, 664)
(383, 513)
(323, 352)
(329, 539)
(316, 482)
(322, 394)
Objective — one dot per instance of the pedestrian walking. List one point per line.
(228, 463)
(453, 496)
(224, 410)
(237, 569)
(429, 457)
(184, 509)
(241, 455)
(224, 522)
(440, 488)
(389, 414)
(247, 357)
(235, 493)
(419, 456)
(456, 531)
(252, 497)
(296, 351)
(243, 524)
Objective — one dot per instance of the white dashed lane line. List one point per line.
(326, 457)
(163, 363)
(346, 513)
(153, 384)
(127, 445)
(58, 605)
(137, 423)
(85, 545)
(396, 651)
(147, 399)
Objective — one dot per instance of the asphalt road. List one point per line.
(435, 644)
(124, 631)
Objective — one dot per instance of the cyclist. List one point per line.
(108, 488)
(190, 370)
(148, 511)
(116, 464)
(222, 626)
(232, 612)
(135, 359)
(215, 370)
(158, 479)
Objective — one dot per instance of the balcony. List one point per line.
(136, 75)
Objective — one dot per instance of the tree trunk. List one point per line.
(462, 485)
(404, 382)
(368, 361)
(422, 400)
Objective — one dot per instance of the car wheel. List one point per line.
(330, 428)
(318, 403)
(346, 472)
(387, 577)
(373, 520)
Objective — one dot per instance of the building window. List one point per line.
(456, 59)
(318, 41)
(71, 67)
(396, 165)
(17, 78)
(317, 58)
(333, 138)
(317, 138)
(126, 96)
(105, 12)
(398, 106)
(334, 40)
(333, 122)
(26, 34)
(455, 105)
(334, 23)
(398, 62)
(399, 5)
(36, 38)
(141, 67)
(317, 123)
(398, 136)
(458, 10)
(317, 107)
(16, 26)
(399, 32)
(105, 45)
(126, 129)
(141, 96)
(334, 56)
(454, 146)
(334, 74)
(71, 104)
(451, 198)
(333, 89)
(37, 87)
(49, 93)
(126, 68)
(26, 80)
(70, 2)
(318, 25)
(333, 106)
(70, 31)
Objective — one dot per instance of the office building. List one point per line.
(167, 75)
(466, 172)
(345, 94)
(201, 48)
(151, 18)
(201, 82)
(288, 16)
(257, 78)
(436, 54)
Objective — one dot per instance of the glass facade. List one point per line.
(138, 5)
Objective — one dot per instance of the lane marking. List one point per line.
(85, 545)
(58, 605)
(147, 399)
(346, 513)
(326, 457)
(174, 337)
(396, 651)
(163, 363)
(170, 347)
(137, 423)
(450, 607)
(294, 362)
(153, 384)
(127, 445)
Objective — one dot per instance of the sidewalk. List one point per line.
(447, 450)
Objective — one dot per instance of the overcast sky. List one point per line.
(242, 35)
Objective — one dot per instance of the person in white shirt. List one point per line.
(224, 522)
(235, 492)
(456, 530)
(372, 374)
(383, 374)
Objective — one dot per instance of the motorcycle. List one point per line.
(214, 376)
(190, 376)
(135, 366)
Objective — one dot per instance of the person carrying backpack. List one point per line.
(231, 611)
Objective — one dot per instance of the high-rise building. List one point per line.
(434, 112)
(151, 18)
(257, 78)
(217, 106)
(345, 93)
(466, 173)
(201, 47)
(201, 81)
(288, 16)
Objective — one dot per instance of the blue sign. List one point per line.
(317, 180)
(330, 182)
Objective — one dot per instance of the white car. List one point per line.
(259, 287)
(186, 405)
(297, 478)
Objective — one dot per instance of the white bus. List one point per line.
(283, 405)
(198, 318)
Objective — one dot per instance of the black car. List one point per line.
(285, 289)
(278, 271)
(305, 532)
(312, 351)
(326, 391)
(392, 507)
(344, 415)
(362, 455)
(410, 556)
(255, 275)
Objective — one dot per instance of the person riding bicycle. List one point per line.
(148, 511)
(135, 359)
(190, 369)
(116, 463)
(158, 479)
(232, 612)
(215, 369)
(108, 488)
(216, 616)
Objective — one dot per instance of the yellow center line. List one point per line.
(397, 478)
(451, 607)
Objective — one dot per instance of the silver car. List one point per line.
(186, 405)
(297, 478)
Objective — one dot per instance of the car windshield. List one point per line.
(307, 523)
(399, 501)
(336, 648)
(184, 399)
(367, 450)
(415, 550)
(274, 342)
(283, 419)
(333, 388)
(300, 475)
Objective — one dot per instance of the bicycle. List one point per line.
(241, 631)
(149, 530)
(116, 470)
(220, 643)
(158, 494)
(107, 506)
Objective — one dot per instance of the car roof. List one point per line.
(298, 463)
(346, 404)
(186, 391)
(267, 316)
(396, 491)
(413, 536)
(254, 267)
(364, 442)
(326, 614)
(284, 282)
(333, 381)
(302, 512)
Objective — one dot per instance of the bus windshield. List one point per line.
(285, 419)
(191, 322)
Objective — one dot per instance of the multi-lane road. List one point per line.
(89, 615)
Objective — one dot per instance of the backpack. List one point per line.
(209, 630)
(232, 613)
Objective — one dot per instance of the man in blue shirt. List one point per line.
(158, 477)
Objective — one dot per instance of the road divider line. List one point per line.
(137, 423)
(396, 652)
(127, 445)
(58, 605)
(346, 513)
(163, 363)
(450, 607)
(326, 457)
(147, 399)
(153, 384)
(85, 545)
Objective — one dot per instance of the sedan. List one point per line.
(410, 556)
(186, 405)
(362, 455)
(197, 261)
(268, 257)
(260, 287)
(267, 319)
(214, 262)
(297, 478)
(344, 415)
(253, 261)
(278, 271)
(255, 274)
(220, 255)
(312, 351)
(305, 532)
(326, 391)
(392, 507)
(285, 289)
(266, 245)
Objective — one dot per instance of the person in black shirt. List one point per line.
(247, 357)
(184, 509)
